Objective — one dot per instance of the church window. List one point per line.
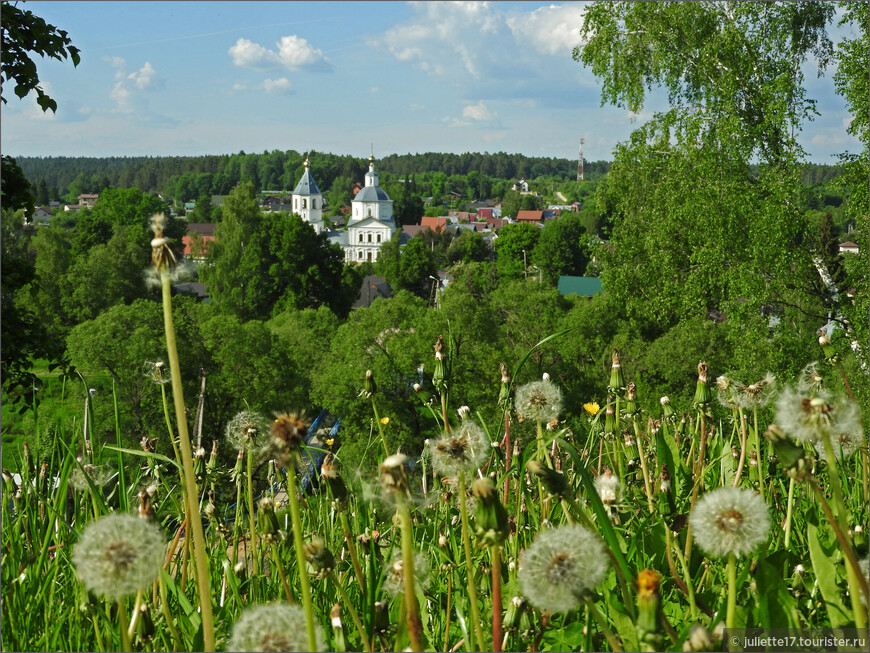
(303, 204)
(360, 255)
(370, 257)
(313, 203)
(379, 237)
(370, 238)
(370, 211)
(360, 238)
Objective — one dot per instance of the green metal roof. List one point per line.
(583, 286)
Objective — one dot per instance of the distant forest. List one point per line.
(188, 178)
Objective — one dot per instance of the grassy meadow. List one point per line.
(648, 529)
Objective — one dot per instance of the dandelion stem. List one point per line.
(276, 556)
(351, 547)
(251, 520)
(496, 598)
(122, 620)
(743, 443)
(789, 511)
(731, 614)
(612, 639)
(758, 450)
(469, 564)
(380, 427)
(187, 459)
(686, 585)
(353, 613)
(412, 610)
(643, 466)
(300, 557)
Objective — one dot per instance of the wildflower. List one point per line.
(288, 433)
(845, 441)
(157, 372)
(592, 408)
(462, 450)
(702, 392)
(99, 475)
(272, 627)
(464, 412)
(631, 408)
(730, 520)
(559, 566)
(385, 420)
(617, 380)
(540, 401)
(394, 475)
(394, 582)
(809, 380)
(491, 521)
(608, 487)
(827, 348)
(245, 429)
(370, 387)
(667, 409)
(700, 639)
(118, 555)
(554, 482)
(726, 391)
(756, 394)
(809, 419)
(320, 558)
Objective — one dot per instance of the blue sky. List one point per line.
(190, 78)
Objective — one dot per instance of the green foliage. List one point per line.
(390, 338)
(562, 249)
(408, 268)
(467, 247)
(26, 34)
(261, 265)
(15, 190)
(513, 249)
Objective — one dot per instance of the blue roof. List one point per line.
(307, 185)
(371, 194)
(583, 286)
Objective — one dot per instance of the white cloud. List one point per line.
(441, 31)
(551, 30)
(281, 85)
(145, 77)
(478, 112)
(293, 52)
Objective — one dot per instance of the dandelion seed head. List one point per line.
(246, 430)
(730, 520)
(608, 487)
(756, 394)
(811, 418)
(539, 401)
(559, 566)
(463, 450)
(272, 627)
(394, 580)
(809, 380)
(118, 555)
(845, 440)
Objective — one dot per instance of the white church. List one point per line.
(371, 221)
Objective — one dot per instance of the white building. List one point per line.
(308, 200)
(371, 221)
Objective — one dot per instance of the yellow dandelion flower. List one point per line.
(385, 420)
(592, 408)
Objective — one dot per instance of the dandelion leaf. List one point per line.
(822, 556)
